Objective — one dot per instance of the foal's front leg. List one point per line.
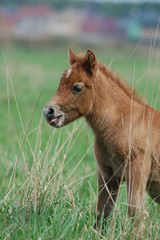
(137, 176)
(107, 193)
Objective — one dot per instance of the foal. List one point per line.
(126, 130)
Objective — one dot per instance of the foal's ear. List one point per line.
(90, 61)
(72, 56)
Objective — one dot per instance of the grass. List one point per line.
(48, 177)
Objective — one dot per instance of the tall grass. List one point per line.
(43, 196)
(51, 192)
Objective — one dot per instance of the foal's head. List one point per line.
(73, 98)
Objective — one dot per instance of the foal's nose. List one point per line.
(48, 113)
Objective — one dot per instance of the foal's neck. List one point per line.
(111, 100)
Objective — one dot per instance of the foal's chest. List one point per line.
(108, 158)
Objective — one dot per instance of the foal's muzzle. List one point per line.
(53, 115)
(48, 113)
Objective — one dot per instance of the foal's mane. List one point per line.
(113, 77)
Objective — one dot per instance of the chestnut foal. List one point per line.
(126, 130)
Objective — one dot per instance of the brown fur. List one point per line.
(127, 131)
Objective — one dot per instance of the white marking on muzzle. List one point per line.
(69, 72)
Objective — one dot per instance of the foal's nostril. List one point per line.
(51, 111)
(48, 113)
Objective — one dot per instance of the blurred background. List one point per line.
(86, 21)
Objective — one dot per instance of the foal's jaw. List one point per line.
(57, 116)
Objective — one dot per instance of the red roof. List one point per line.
(33, 11)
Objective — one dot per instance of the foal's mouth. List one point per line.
(56, 121)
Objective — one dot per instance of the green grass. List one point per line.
(47, 176)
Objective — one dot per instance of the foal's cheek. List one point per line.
(85, 106)
(70, 118)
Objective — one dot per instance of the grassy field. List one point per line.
(48, 177)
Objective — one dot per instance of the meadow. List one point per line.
(48, 182)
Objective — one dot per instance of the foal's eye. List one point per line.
(77, 88)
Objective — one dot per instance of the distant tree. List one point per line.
(110, 9)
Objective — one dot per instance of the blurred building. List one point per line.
(43, 23)
(31, 23)
(6, 26)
